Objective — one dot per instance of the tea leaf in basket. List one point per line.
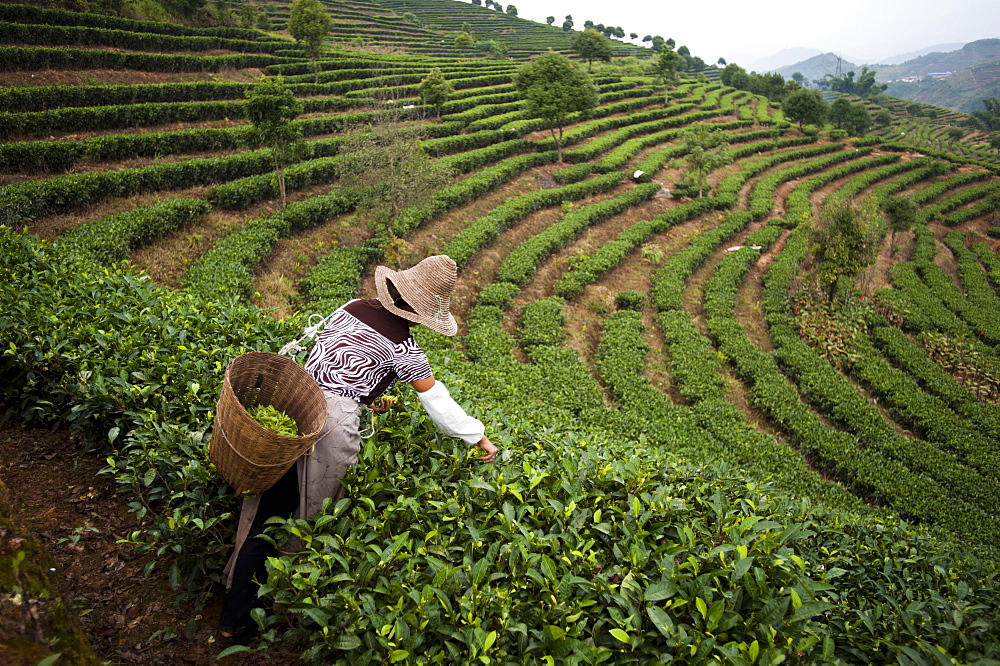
(273, 419)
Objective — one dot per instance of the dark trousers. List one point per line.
(251, 565)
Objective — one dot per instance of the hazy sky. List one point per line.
(745, 30)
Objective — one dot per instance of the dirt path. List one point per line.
(59, 497)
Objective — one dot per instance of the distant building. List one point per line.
(918, 79)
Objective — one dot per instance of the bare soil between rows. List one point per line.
(58, 498)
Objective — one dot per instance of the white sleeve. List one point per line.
(448, 415)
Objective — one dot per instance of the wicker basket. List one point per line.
(250, 457)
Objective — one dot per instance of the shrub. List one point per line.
(630, 299)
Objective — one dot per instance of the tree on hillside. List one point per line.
(705, 149)
(901, 215)
(550, 19)
(805, 106)
(849, 116)
(883, 117)
(271, 108)
(735, 76)
(567, 24)
(633, 36)
(668, 66)
(553, 88)
(986, 119)
(838, 111)
(386, 170)
(845, 240)
(858, 120)
(464, 40)
(512, 10)
(591, 46)
(658, 43)
(864, 86)
(721, 62)
(435, 90)
(492, 47)
(309, 24)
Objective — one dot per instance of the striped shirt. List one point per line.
(364, 350)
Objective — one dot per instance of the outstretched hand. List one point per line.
(383, 404)
(490, 450)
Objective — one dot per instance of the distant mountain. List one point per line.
(963, 91)
(780, 59)
(972, 54)
(903, 57)
(817, 67)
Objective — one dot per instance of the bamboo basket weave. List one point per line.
(250, 457)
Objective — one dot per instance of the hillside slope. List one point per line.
(703, 458)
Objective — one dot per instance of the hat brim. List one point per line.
(445, 324)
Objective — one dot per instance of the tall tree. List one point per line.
(386, 169)
(901, 214)
(309, 23)
(706, 150)
(512, 10)
(864, 86)
(592, 45)
(553, 88)
(805, 106)
(271, 108)
(668, 66)
(567, 24)
(735, 76)
(435, 90)
(845, 240)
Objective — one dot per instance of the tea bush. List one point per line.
(136, 372)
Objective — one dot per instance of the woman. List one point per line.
(365, 348)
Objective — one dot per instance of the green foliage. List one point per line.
(309, 24)
(142, 40)
(26, 58)
(390, 171)
(274, 419)
(630, 299)
(110, 240)
(542, 322)
(19, 13)
(846, 240)
(520, 264)
(271, 108)
(137, 374)
(553, 88)
(704, 149)
(483, 231)
(499, 294)
(610, 254)
(592, 45)
(864, 86)
(20, 203)
(805, 106)
(900, 212)
(435, 89)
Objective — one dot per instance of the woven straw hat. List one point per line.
(426, 288)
